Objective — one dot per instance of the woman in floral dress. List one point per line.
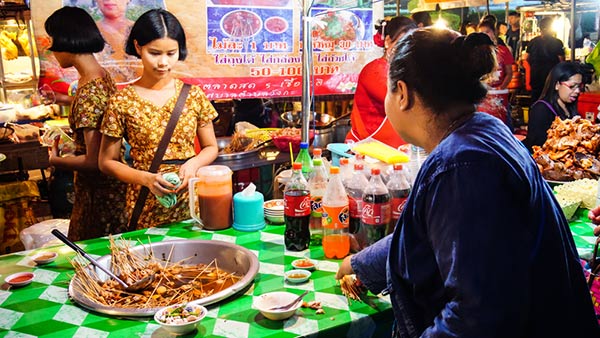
(140, 112)
(98, 209)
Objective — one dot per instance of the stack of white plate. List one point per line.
(274, 211)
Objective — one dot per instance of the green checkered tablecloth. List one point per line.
(583, 233)
(43, 308)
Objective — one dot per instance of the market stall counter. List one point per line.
(44, 308)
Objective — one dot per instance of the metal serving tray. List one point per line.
(230, 257)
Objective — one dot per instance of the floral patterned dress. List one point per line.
(99, 206)
(143, 124)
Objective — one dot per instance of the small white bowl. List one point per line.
(304, 264)
(269, 300)
(180, 326)
(44, 257)
(20, 278)
(297, 276)
(274, 206)
(275, 219)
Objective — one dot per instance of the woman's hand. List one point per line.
(594, 216)
(54, 152)
(345, 268)
(187, 171)
(158, 185)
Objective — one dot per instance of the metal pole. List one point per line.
(573, 28)
(306, 70)
(397, 8)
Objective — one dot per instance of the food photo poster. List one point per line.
(236, 48)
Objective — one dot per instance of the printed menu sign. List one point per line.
(253, 48)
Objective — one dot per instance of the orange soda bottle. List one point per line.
(335, 217)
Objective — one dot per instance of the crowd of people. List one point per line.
(449, 274)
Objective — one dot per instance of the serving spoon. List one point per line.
(138, 285)
(292, 303)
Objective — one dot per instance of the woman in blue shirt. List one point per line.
(482, 248)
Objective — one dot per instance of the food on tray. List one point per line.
(240, 143)
(9, 49)
(583, 190)
(241, 24)
(173, 282)
(180, 314)
(571, 150)
(38, 112)
(336, 26)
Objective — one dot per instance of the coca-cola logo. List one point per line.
(367, 210)
(305, 204)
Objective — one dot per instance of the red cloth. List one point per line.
(496, 104)
(368, 111)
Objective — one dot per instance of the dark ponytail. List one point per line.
(443, 67)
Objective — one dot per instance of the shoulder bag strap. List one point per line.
(160, 153)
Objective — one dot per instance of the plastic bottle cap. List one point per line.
(317, 162)
(358, 166)
(303, 145)
(317, 151)
(334, 170)
(297, 166)
(397, 166)
(375, 171)
(360, 156)
(345, 160)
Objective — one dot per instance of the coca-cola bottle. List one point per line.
(317, 185)
(296, 200)
(399, 188)
(376, 211)
(354, 188)
(336, 241)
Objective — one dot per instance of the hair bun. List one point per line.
(475, 53)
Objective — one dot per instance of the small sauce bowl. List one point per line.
(20, 278)
(297, 276)
(44, 258)
(304, 264)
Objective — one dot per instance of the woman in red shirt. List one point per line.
(368, 112)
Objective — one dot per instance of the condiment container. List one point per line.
(213, 189)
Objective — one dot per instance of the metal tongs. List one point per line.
(138, 285)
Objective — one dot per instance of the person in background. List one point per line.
(513, 35)
(501, 29)
(543, 53)
(594, 216)
(470, 28)
(115, 26)
(496, 102)
(558, 99)
(368, 112)
(98, 209)
(422, 19)
(139, 113)
(448, 273)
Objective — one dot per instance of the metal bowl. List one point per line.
(317, 120)
(230, 257)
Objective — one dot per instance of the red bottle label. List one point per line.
(355, 205)
(376, 213)
(397, 206)
(296, 206)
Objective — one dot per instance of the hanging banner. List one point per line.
(236, 48)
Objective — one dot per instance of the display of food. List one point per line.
(172, 282)
(179, 314)
(583, 191)
(570, 151)
(240, 143)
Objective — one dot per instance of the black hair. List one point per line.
(546, 23)
(491, 18)
(443, 67)
(395, 27)
(561, 72)
(73, 30)
(514, 13)
(422, 18)
(156, 24)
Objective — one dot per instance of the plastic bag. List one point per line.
(38, 235)
(593, 58)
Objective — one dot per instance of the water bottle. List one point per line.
(345, 170)
(399, 189)
(296, 201)
(354, 188)
(336, 240)
(376, 211)
(417, 157)
(318, 155)
(304, 158)
(317, 185)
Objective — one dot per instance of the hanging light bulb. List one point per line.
(440, 23)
